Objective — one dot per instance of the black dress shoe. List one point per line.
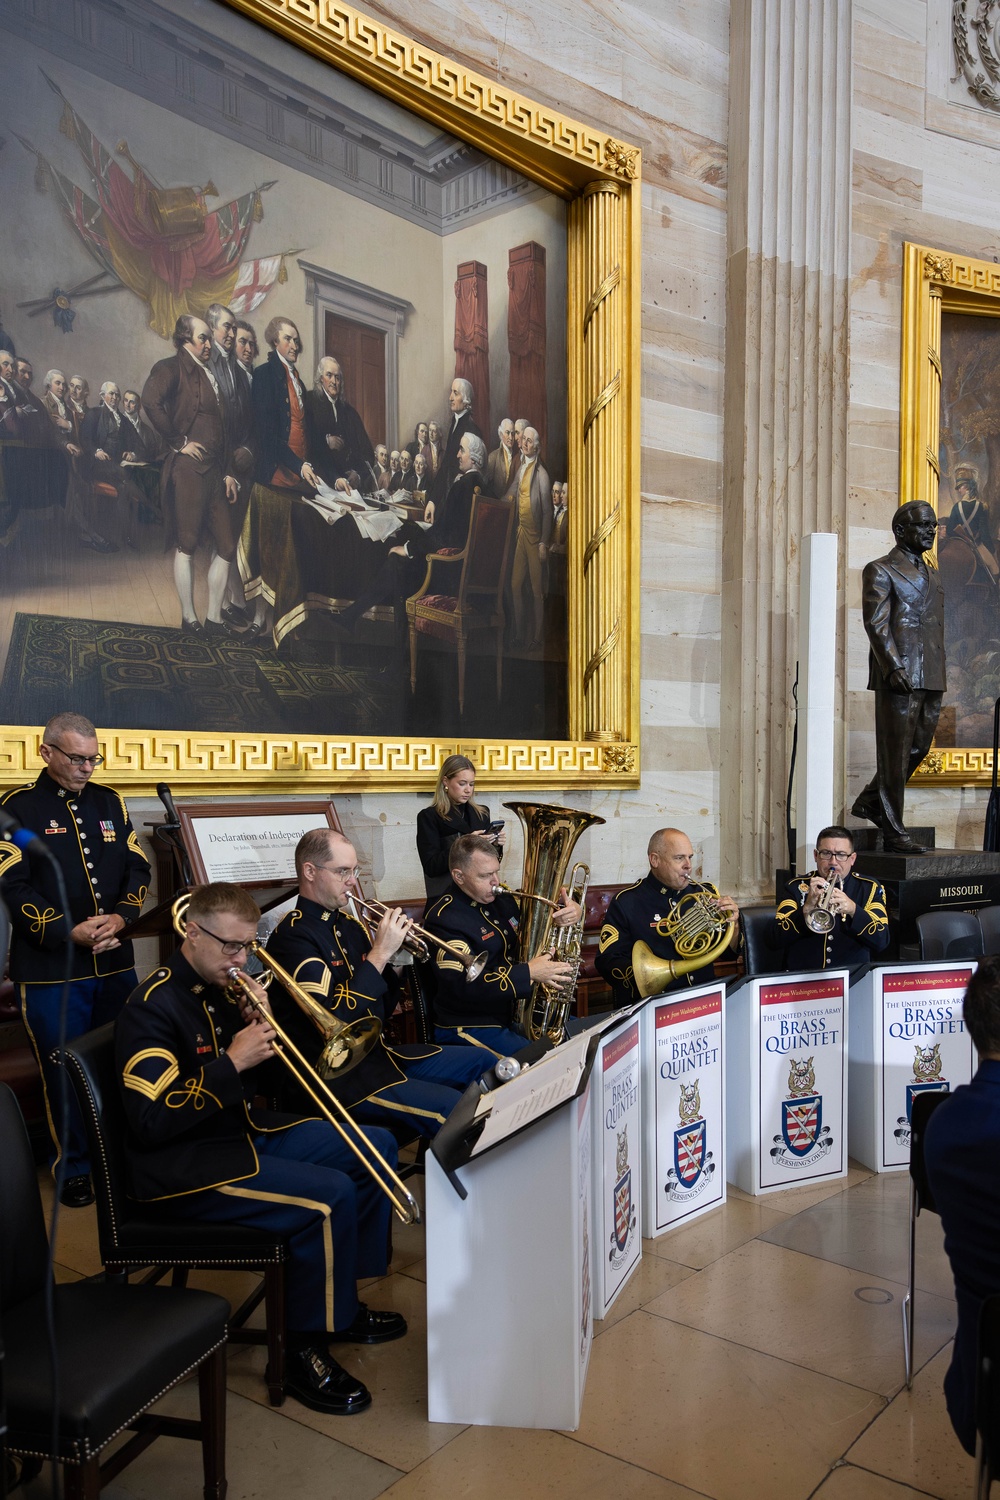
(192, 627)
(216, 627)
(316, 1379)
(77, 1192)
(902, 846)
(371, 1327)
(236, 616)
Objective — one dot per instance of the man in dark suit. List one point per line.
(962, 1156)
(184, 406)
(343, 448)
(460, 399)
(236, 398)
(108, 442)
(285, 437)
(401, 573)
(903, 607)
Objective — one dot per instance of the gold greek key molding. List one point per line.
(449, 93)
(136, 761)
(955, 768)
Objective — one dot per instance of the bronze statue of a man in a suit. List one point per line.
(903, 610)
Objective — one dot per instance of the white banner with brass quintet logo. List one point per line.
(618, 1163)
(787, 1102)
(907, 1037)
(683, 1106)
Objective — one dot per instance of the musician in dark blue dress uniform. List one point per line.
(336, 960)
(476, 917)
(633, 915)
(88, 830)
(197, 1148)
(861, 924)
(962, 1156)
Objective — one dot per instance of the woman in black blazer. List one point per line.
(454, 811)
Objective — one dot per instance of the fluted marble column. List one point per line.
(786, 395)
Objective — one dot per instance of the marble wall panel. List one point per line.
(680, 477)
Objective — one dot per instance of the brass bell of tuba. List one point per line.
(700, 933)
(550, 834)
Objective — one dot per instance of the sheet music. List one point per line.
(539, 1089)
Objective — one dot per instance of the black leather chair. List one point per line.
(988, 1398)
(118, 1348)
(921, 1198)
(757, 956)
(989, 925)
(949, 935)
(133, 1237)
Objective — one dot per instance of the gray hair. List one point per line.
(476, 449)
(110, 385)
(68, 723)
(324, 363)
(214, 313)
(465, 386)
(50, 375)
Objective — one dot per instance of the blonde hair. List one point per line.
(452, 766)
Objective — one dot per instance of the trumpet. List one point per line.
(345, 1045)
(823, 919)
(417, 941)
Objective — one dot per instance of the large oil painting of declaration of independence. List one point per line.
(269, 341)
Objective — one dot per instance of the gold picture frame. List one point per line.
(936, 281)
(600, 178)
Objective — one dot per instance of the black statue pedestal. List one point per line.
(941, 879)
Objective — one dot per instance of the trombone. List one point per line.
(417, 939)
(346, 1044)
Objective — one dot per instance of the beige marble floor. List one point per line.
(755, 1355)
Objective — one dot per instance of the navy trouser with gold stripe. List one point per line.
(311, 1189)
(496, 1041)
(430, 1091)
(91, 1003)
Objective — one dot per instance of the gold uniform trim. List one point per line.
(609, 935)
(150, 1088)
(10, 854)
(313, 1203)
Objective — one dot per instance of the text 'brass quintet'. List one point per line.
(550, 834)
(344, 1046)
(700, 933)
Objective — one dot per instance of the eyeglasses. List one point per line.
(229, 949)
(835, 855)
(79, 760)
(342, 872)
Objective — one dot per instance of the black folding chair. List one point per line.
(758, 956)
(118, 1348)
(949, 935)
(132, 1238)
(921, 1197)
(988, 918)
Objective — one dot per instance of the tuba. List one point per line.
(550, 834)
(700, 934)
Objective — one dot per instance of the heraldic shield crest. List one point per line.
(802, 1112)
(623, 1193)
(927, 1076)
(689, 1153)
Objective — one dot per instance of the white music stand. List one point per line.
(906, 1036)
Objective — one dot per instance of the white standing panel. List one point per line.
(786, 1081)
(683, 1107)
(617, 1162)
(509, 1278)
(907, 1036)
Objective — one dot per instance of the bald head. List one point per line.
(671, 858)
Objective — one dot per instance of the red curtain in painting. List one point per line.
(472, 339)
(526, 335)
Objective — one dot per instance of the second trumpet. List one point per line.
(418, 940)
